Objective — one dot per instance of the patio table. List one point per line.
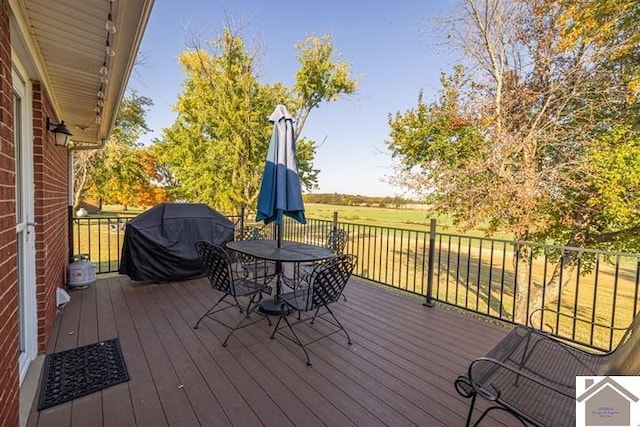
(288, 251)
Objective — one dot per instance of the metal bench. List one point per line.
(532, 375)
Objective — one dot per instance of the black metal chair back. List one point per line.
(328, 280)
(326, 285)
(337, 240)
(217, 266)
(252, 267)
(251, 233)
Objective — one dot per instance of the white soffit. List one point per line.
(67, 40)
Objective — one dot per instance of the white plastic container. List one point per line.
(82, 272)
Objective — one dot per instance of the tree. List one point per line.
(517, 137)
(612, 24)
(82, 168)
(216, 149)
(322, 77)
(152, 189)
(115, 174)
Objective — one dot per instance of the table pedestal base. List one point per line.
(271, 307)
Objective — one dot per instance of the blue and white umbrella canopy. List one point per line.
(281, 192)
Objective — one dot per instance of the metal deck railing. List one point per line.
(595, 291)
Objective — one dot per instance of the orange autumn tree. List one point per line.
(116, 174)
(151, 191)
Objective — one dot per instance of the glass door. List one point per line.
(25, 227)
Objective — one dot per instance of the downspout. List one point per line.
(73, 148)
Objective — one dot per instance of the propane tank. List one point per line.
(82, 272)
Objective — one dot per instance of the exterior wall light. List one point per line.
(61, 131)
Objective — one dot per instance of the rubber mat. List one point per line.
(81, 371)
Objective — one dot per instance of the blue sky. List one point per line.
(392, 46)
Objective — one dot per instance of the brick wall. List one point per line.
(51, 165)
(8, 297)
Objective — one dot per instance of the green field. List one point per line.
(408, 218)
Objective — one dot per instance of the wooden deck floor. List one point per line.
(399, 370)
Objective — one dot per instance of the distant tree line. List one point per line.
(357, 200)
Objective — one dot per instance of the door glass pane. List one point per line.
(21, 296)
(21, 230)
(17, 126)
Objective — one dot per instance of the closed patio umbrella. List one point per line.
(281, 192)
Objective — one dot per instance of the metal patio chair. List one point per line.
(251, 267)
(326, 283)
(217, 266)
(336, 240)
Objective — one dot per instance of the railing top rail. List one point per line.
(544, 245)
(359, 224)
(102, 216)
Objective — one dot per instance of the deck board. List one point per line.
(91, 405)
(398, 371)
(147, 406)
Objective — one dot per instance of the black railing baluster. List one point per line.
(635, 292)
(432, 241)
(422, 267)
(504, 264)
(516, 290)
(575, 298)
(595, 298)
(458, 269)
(615, 300)
(446, 286)
(544, 281)
(530, 275)
(560, 286)
(490, 278)
(439, 266)
(408, 256)
(479, 277)
(466, 294)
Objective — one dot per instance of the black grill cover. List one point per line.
(159, 243)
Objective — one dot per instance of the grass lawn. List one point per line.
(408, 218)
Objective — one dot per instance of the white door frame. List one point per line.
(25, 226)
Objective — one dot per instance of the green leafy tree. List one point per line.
(322, 77)
(216, 149)
(522, 138)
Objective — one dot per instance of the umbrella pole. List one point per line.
(278, 263)
(279, 234)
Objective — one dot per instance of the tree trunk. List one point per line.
(538, 295)
(521, 262)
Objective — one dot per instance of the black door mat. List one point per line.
(84, 370)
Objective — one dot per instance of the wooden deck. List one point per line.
(399, 370)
